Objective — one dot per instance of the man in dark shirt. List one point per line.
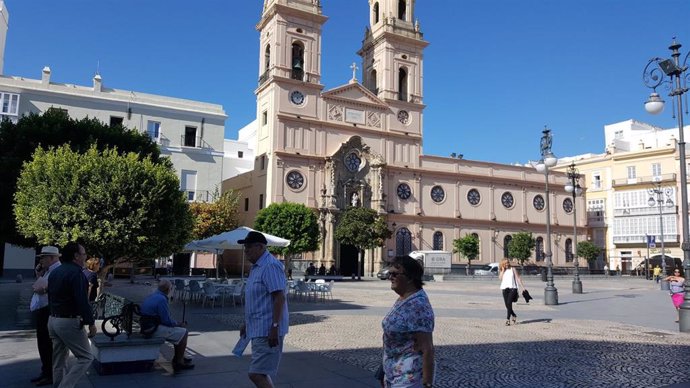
(156, 305)
(69, 312)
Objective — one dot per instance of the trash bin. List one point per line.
(665, 285)
(543, 274)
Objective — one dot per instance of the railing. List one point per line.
(264, 77)
(199, 195)
(642, 239)
(644, 180)
(193, 141)
(641, 211)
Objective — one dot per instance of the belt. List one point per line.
(63, 316)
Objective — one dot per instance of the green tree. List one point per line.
(363, 228)
(588, 251)
(467, 246)
(18, 141)
(123, 208)
(521, 247)
(292, 221)
(211, 218)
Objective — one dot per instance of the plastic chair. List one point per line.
(327, 289)
(180, 289)
(195, 290)
(237, 293)
(210, 293)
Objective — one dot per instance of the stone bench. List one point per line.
(119, 347)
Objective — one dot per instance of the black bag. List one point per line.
(526, 295)
(514, 294)
(149, 325)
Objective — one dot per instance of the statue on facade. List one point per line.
(355, 199)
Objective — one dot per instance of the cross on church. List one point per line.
(354, 71)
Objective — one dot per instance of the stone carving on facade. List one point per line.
(374, 119)
(335, 112)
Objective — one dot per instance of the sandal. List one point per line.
(514, 320)
(508, 322)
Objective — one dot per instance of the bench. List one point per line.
(119, 347)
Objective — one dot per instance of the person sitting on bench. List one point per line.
(156, 305)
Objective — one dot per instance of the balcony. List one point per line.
(642, 239)
(644, 211)
(198, 195)
(193, 142)
(264, 77)
(644, 180)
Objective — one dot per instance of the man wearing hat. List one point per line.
(49, 259)
(265, 310)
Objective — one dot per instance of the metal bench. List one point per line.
(120, 348)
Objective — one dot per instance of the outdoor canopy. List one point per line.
(228, 240)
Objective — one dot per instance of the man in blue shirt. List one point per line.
(156, 305)
(265, 310)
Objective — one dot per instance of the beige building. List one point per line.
(625, 185)
(360, 144)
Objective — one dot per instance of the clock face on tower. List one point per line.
(297, 97)
(403, 116)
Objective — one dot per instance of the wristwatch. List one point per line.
(275, 324)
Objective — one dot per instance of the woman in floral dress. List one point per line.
(408, 347)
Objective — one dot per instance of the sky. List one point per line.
(495, 72)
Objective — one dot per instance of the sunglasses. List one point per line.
(393, 275)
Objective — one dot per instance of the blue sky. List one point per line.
(495, 73)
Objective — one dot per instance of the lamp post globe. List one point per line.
(548, 159)
(673, 73)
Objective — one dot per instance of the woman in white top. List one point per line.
(509, 287)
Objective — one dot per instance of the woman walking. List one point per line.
(509, 287)
(408, 346)
(676, 288)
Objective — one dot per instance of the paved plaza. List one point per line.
(619, 333)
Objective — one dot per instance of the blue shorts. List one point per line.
(265, 359)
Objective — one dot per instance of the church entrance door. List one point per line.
(348, 260)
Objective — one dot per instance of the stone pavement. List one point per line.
(619, 333)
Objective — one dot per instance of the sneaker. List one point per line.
(180, 367)
(187, 360)
(44, 381)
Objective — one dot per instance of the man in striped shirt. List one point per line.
(265, 310)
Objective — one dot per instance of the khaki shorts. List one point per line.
(170, 334)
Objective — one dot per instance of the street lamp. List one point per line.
(573, 187)
(660, 192)
(675, 76)
(548, 160)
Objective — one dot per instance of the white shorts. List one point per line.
(170, 334)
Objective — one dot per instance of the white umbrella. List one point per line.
(228, 240)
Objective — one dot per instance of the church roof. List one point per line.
(354, 92)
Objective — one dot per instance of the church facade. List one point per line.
(360, 144)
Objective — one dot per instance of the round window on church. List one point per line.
(437, 194)
(294, 180)
(352, 162)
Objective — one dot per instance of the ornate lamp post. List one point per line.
(674, 75)
(548, 160)
(573, 187)
(660, 202)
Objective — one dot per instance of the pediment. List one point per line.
(356, 93)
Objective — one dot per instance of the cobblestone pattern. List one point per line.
(485, 353)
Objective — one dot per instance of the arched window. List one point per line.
(267, 58)
(376, 13)
(479, 245)
(568, 250)
(373, 81)
(403, 242)
(402, 10)
(539, 248)
(438, 241)
(402, 84)
(506, 243)
(298, 61)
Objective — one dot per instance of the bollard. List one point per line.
(20, 278)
